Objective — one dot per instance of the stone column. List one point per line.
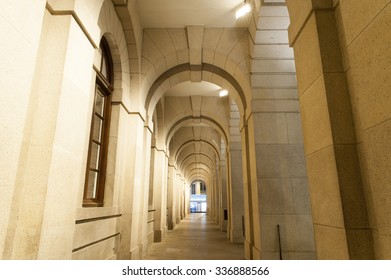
(213, 198)
(182, 201)
(178, 197)
(236, 207)
(223, 206)
(187, 195)
(159, 193)
(129, 200)
(52, 136)
(145, 189)
(278, 181)
(197, 188)
(171, 207)
(216, 197)
(19, 51)
(132, 199)
(252, 242)
(209, 198)
(338, 204)
(229, 198)
(165, 194)
(235, 178)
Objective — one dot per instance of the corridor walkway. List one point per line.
(196, 238)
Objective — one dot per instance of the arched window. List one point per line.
(99, 136)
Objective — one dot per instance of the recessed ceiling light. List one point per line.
(224, 92)
(243, 10)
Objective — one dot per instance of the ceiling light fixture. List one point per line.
(224, 92)
(244, 9)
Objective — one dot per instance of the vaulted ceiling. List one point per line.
(196, 120)
(179, 13)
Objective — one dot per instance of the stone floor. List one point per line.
(196, 238)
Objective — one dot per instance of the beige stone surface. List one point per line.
(161, 39)
(341, 119)
(295, 132)
(272, 129)
(307, 45)
(324, 188)
(382, 245)
(178, 38)
(359, 16)
(274, 93)
(270, 11)
(275, 196)
(360, 242)
(269, 106)
(328, 42)
(376, 150)
(352, 194)
(273, 65)
(295, 233)
(195, 38)
(369, 74)
(297, 15)
(101, 251)
(273, 22)
(18, 55)
(280, 160)
(274, 80)
(315, 118)
(342, 38)
(89, 232)
(273, 51)
(301, 197)
(271, 37)
(326, 235)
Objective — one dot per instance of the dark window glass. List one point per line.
(97, 155)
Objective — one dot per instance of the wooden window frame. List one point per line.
(104, 86)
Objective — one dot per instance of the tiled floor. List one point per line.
(196, 238)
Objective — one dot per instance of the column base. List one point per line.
(236, 236)
(256, 253)
(171, 226)
(251, 252)
(228, 232)
(144, 248)
(123, 256)
(151, 237)
(134, 254)
(223, 225)
(157, 236)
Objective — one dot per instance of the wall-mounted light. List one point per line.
(244, 9)
(224, 92)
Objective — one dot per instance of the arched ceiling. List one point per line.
(195, 150)
(194, 122)
(179, 13)
(193, 89)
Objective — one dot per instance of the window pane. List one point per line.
(99, 103)
(94, 161)
(97, 132)
(94, 188)
(104, 67)
(92, 184)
